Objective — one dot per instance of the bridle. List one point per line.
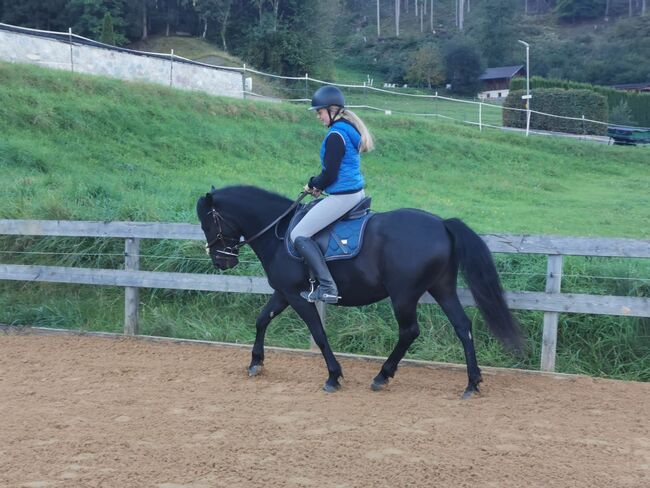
(233, 250)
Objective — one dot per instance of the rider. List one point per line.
(340, 178)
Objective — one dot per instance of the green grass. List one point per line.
(80, 148)
(187, 47)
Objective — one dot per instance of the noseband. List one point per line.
(228, 251)
(233, 250)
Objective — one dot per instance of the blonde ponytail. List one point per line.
(367, 142)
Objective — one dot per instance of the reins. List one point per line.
(232, 250)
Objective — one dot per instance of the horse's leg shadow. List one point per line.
(274, 307)
(406, 314)
(309, 314)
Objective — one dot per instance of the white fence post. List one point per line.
(131, 294)
(171, 69)
(480, 116)
(243, 82)
(549, 334)
(70, 42)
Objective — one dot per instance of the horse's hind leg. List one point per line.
(450, 304)
(406, 315)
(273, 308)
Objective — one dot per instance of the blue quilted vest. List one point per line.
(350, 177)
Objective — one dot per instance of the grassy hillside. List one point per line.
(76, 147)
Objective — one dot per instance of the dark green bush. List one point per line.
(559, 102)
(639, 103)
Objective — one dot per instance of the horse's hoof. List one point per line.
(469, 392)
(331, 387)
(378, 385)
(255, 370)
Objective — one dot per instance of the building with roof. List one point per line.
(634, 87)
(495, 82)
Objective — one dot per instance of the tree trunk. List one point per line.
(431, 16)
(643, 8)
(224, 26)
(461, 14)
(607, 9)
(205, 26)
(422, 16)
(276, 8)
(630, 8)
(378, 27)
(397, 18)
(145, 34)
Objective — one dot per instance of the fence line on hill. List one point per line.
(552, 302)
(447, 107)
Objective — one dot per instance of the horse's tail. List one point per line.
(478, 269)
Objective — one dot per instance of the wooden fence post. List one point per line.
(131, 294)
(549, 335)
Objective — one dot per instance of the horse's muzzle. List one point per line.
(224, 262)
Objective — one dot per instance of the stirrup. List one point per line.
(316, 295)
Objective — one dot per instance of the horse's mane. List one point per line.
(239, 194)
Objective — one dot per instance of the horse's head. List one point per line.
(222, 234)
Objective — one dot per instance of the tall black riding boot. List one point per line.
(326, 290)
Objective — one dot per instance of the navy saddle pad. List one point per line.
(340, 240)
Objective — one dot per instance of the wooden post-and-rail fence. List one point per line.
(552, 302)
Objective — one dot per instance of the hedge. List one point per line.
(639, 103)
(556, 101)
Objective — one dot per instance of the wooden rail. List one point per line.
(552, 302)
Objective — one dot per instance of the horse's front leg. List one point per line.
(309, 314)
(276, 304)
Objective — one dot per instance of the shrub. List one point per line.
(638, 103)
(565, 103)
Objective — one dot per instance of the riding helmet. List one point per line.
(327, 96)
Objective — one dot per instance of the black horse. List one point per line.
(406, 253)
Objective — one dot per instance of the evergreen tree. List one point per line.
(86, 18)
(108, 35)
(494, 30)
(463, 66)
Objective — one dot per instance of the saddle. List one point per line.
(340, 240)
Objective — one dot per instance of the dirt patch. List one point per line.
(97, 412)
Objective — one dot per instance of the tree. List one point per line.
(108, 35)
(378, 26)
(425, 66)
(397, 12)
(259, 4)
(463, 66)
(576, 10)
(87, 18)
(493, 27)
(621, 114)
(36, 14)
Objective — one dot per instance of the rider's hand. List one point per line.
(315, 192)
